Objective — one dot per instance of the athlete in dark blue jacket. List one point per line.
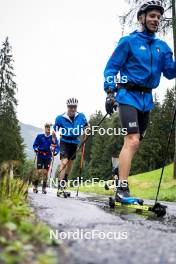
(46, 146)
(71, 125)
(141, 59)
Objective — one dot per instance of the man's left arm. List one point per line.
(169, 69)
(85, 125)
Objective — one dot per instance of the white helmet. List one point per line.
(150, 5)
(72, 101)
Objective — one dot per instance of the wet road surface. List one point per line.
(93, 233)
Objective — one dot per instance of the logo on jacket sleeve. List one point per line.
(158, 49)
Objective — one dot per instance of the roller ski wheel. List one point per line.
(68, 194)
(65, 194)
(159, 209)
(35, 190)
(111, 202)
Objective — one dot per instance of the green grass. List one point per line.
(23, 239)
(144, 185)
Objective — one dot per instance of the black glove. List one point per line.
(109, 104)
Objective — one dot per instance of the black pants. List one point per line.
(67, 150)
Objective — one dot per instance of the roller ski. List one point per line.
(123, 200)
(63, 193)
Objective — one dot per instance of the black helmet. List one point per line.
(150, 5)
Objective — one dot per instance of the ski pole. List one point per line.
(51, 170)
(81, 166)
(164, 161)
(53, 150)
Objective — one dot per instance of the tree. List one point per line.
(11, 142)
(174, 39)
(100, 163)
(167, 117)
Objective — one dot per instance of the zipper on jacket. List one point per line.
(150, 77)
(151, 61)
(143, 101)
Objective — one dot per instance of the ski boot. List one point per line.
(44, 190)
(44, 187)
(123, 196)
(35, 190)
(65, 188)
(61, 192)
(62, 188)
(121, 192)
(35, 185)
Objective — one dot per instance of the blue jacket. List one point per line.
(70, 129)
(42, 145)
(141, 59)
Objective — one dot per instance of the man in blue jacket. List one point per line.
(72, 125)
(140, 58)
(46, 146)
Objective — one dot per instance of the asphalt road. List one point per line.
(93, 234)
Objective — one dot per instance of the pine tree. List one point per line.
(167, 116)
(11, 142)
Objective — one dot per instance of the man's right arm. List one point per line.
(116, 61)
(36, 144)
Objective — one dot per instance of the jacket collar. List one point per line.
(65, 115)
(145, 35)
